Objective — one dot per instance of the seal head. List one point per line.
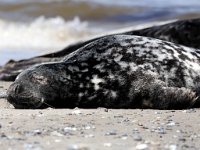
(37, 87)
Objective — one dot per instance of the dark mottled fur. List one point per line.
(114, 72)
(185, 32)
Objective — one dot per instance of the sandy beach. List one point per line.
(85, 129)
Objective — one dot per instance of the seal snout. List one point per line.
(20, 96)
(14, 93)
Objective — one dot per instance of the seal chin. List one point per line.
(21, 98)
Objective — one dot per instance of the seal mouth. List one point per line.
(23, 104)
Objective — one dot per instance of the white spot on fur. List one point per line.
(133, 66)
(85, 70)
(114, 94)
(118, 58)
(124, 43)
(123, 64)
(130, 50)
(81, 85)
(80, 95)
(96, 81)
(111, 76)
(73, 68)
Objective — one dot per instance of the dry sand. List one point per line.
(85, 129)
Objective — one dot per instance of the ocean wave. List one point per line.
(43, 33)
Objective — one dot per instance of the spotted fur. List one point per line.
(119, 71)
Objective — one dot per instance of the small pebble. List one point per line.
(189, 111)
(158, 113)
(137, 137)
(171, 124)
(87, 127)
(142, 146)
(57, 140)
(77, 112)
(113, 132)
(105, 110)
(161, 130)
(172, 147)
(135, 130)
(182, 139)
(119, 116)
(37, 132)
(89, 136)
(55, 133)
(107, 144)
(67, 129)
(78, 147)
(124, 136)
(3, 95)
(28, 146)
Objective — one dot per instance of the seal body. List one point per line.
(119, 71)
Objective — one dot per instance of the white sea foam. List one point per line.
(42, 33)
(40, 36)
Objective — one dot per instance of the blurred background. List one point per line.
(34, 27)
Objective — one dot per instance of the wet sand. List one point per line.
(85, 129)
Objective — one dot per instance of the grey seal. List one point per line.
(184, 32)
(119, 71)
